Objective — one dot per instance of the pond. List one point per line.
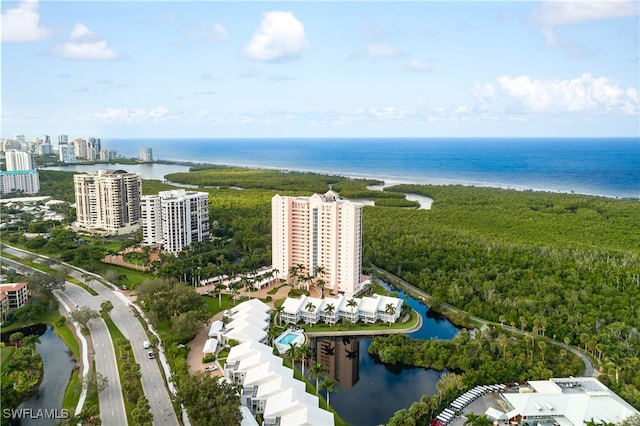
(47, 400)
(369, 392)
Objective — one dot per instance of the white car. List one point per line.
(211, 368)
(146, 344)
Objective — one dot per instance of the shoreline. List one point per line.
(386, 180)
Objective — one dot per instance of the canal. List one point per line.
(47, 400)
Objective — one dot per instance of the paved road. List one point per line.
(112, 411)
(152, 380)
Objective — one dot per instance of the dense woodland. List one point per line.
(563, 266)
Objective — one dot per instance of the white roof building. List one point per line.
(210, 346)
(215, 328)
(567, 402)
(269, 387)
(367, 309)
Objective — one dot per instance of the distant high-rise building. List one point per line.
(63, 139)
(175, 218)
(94, 143)
(107, 154)
(146, 154)
(321, 233)
(80, 146)
(45, 148)
(108, 200)
(19, 160)
(67, 153)
(92, 154)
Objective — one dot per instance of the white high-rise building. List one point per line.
(27, 181)
(19, 160)
(321, 233)
(108, 200)
(175, 219)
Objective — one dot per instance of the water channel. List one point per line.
(58, 365)
(369, 392)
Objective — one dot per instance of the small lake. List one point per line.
(58, 365)
(369, 392)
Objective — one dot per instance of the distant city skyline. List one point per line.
(158, 69)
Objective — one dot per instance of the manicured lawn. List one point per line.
(213, 306)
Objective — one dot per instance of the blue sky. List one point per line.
(320, 69)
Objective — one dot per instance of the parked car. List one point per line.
(151, 355)
(146, 344)
(211, 368)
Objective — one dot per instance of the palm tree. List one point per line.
(292, 352)
(310, 307)
(329, 385)
(277, 312)
(329, 310)
(320, 283)
(391, 310)
(352, 304)
(218, 289)
(475, 420)
(317, 371)
(303, 352)
(293, 273)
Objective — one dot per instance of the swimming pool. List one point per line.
(287, 338)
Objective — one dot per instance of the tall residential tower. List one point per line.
(321, 233)
(108, 200)
(174, 219)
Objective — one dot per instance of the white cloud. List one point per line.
(84, 44)
(582, 94)
(417, 65)
(134, 115)
(22, 23)
(80, 31)
(551, 13)
(281, 36)
(484, 95)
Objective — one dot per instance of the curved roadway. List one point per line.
(153, 384)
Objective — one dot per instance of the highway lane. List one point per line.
(152, 380)
(153, 384)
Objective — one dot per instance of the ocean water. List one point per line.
(599, 166)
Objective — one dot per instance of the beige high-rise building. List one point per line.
(108, 200)
(323, 235)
